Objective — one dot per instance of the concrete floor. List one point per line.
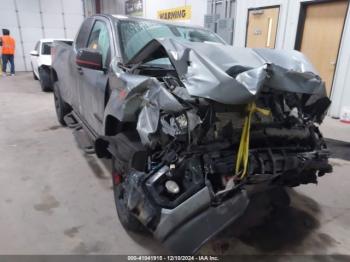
(54, 199)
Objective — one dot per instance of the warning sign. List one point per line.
(178, 13)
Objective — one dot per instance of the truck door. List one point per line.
(93, 83)
(74, 71)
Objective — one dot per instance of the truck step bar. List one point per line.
(84, 141)
(83, 137)
(71, 121)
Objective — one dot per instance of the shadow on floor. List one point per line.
(271, 228)
(101, 168)
(147, 241)
(285, 228)
(339, 149)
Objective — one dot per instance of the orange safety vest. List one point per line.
(8, 45)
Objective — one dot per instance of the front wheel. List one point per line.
(126, 218)
(62, 108)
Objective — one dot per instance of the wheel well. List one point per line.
(45, 67)
(107, 93)
(54, 77)
(113, 126)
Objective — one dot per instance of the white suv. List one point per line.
(41, 61)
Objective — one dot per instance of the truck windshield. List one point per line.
(134, 35)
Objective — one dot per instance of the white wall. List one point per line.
(286, 36)
(199, 9)
(36, 19)
(341, 85)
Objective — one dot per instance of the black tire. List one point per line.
(62, 108)
(44, 80)
(34, 76)
(128, 221)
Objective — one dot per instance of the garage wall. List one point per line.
(286, 36)
(198, 7)
(31, 20)
(151, 7)
(341, 91)
(113, 6)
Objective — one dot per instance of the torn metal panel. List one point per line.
(203, 67)
(294, 81)
(147, 123)
(290, 59)
(205, 79)
(206, 225)
(181, 124)
(155, 99)
(142, 97)
(171, 219)
(128, 96)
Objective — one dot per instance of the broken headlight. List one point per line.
(171, 185)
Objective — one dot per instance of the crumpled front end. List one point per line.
(221, 120)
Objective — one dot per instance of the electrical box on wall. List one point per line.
(223, 27)
(220, 18)
(210, 22)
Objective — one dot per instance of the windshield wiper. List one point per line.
(154, 67)
(132, 67)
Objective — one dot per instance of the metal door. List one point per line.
(262, 27)
(321, 35)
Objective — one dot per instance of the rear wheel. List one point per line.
(44, 80)
(128, 221)
(62, 108)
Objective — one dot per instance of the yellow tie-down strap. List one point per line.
(243, 150)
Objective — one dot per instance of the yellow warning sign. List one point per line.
(178, 13)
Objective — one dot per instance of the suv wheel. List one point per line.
(44, 77)
(62, 108)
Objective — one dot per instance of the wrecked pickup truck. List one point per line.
(192, 125)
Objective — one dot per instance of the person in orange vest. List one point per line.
(8, 50)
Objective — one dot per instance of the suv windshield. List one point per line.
(134, 35)
(46, 48)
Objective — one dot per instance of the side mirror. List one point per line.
(34, 53)
(89, 58)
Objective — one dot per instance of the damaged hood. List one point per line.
(233, 75)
